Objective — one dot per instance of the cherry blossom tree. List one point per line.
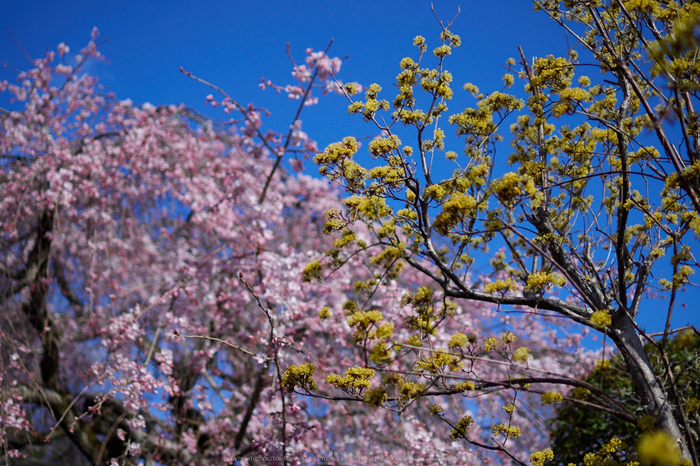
(603, 185)
(149, 279)
(158, 304)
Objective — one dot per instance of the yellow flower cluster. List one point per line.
(414, 340)
(334, 222)
(312, 271)
(384, 331)
(453, 211)
(351, 88)
(522, 354)
(538, 458)
(381, 353)
(462, 427)
(442, 51)
(376, 396)
(646, 422)
(337, 151)
(436, 361)
(555, 73)
(324, 313)
(549, 398)
(508, 79)
(387, 256)
(680, 278)
(436, 409)
(643, 6)
(603, 456)
(367, 207)
(336, 163)
(569, 98)
(540, 281)
(420, 42)
(387, 175)
(465, 386)
(384, 146)
(601, 319)
(692, 405)
(490, 344)
(603, 364)
(364, 319)
(435, 191)
(659, 449)
(581, 393)
(498, 102)
(507, 188)
(471, 88)
(355, 377)
(347, 237)
(502, 286)
(299, 376)
(410, 390)
(507, 431)
(438, 84)
(460, 339)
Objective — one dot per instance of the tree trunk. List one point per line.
(654, 398)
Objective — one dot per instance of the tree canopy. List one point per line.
(600, 200)
(171, 294)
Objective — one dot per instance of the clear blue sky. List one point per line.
(235, 43)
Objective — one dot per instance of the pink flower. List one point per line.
(63, 49)
(301, 73)
(297, 165)
(295, 92)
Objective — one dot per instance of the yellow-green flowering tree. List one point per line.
(597, 209)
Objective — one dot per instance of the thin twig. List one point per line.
(24, 52)
(289, 134)
(219, 340)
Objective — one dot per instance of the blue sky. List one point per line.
(234, 43)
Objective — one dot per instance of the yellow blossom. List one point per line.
(462, 427)
(521, 354)
(465, 386)
(603, 364)
(601, 319)
(659, 449)
(490, 343)
(551, 398)
(413, 340)
(324, 313)
(507, 431)
(538, 458)
(311, 271)
(436, 409)
(460, 339)
(299, 376)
